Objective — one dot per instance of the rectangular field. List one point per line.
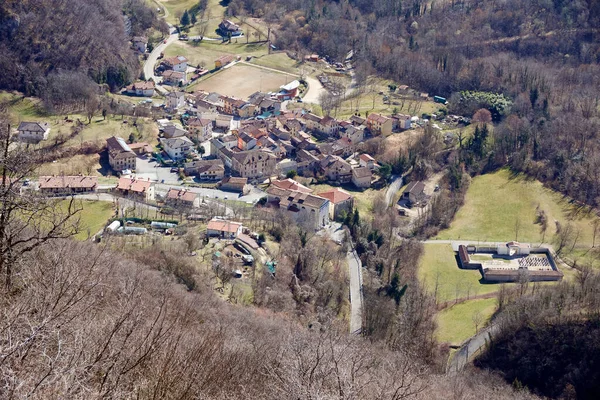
(242, 80)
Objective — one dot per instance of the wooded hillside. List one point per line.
(44, 44)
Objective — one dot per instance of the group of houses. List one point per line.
(314, 210)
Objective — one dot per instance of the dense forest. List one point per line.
(60, 50)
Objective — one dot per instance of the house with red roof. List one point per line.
(223, 228)
(290, 184)
(340, 202)
(138, 189)
(182, 198)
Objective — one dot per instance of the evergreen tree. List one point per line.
(193, 19)
(185, 18)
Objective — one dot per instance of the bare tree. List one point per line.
(596, 229)
(27, 220)
(477, 320)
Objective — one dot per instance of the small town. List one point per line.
(251, 199)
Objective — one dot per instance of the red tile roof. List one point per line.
(222, 225)
(336, 195)
(290, 184)
(62, 182)
(183, 195)
(135, 185)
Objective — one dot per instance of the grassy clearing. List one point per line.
(279, 61)
(438, 264)
(92, 217)
(371, 101)
(456, 324)
(502, 207)
(205, 53)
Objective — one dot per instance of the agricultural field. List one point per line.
(457, 323)
(242, 80)
(502, 206)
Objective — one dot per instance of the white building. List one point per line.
(223, 228)
(514, 249)
(303, 207)
(177, 63)
(177, 148)
(33, 131)
(175, 100)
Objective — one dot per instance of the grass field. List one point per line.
(456, 324)
(242, 80)
(92, 217)
(29, 109)
(278, 61)
(205, 53)
(439, 265)
(502, 207)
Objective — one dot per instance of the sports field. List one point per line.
(242, 80)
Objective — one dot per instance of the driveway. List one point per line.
(393, 189)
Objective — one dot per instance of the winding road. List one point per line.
(336, 232)
(153, 57)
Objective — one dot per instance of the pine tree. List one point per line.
(193, 19)
(185, 18)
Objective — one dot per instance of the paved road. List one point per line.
(314, 91)
(336, 232)
(252, 197)
(153, 58)
(356, 295)
(393, 189)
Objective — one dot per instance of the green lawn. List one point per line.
(93, 217)
(502, 207)
(457, 323)
(438, 264)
